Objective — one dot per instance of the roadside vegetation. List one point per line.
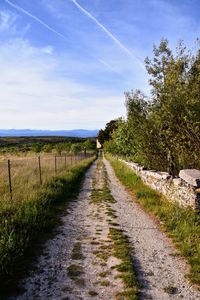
(181, 224)
(22, 223)
(38, 164)
(162, 131)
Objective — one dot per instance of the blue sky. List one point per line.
(66, 64)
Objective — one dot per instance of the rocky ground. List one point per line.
(79, 263)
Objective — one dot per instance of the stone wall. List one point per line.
(184, 189)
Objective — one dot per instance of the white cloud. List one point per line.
(48, 50)
(35, 94)
(9, 24)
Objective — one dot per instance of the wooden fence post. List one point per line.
(40, 171)
(85, 152)
(9, 178)
(55, 161)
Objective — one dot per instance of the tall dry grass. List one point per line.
(25, 175)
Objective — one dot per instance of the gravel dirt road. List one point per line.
(73, 267)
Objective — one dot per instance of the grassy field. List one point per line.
(56, 155)
(25, 175)
(181, 224)
(24, 221)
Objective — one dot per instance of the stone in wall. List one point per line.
(185, 189)
(191, 176)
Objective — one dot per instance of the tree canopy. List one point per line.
(164, 128)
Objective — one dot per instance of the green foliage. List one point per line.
(62, 147)
(36, 147)
(163, 132)
(120, 142)
(47, 148)
(105, 135)
(76, 148)
(183, 224)
(89, 144)
(17, 145)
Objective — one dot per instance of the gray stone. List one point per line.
(191, 176)
(165, 175)
(177, 181)
(150, 173)
(140, 168)
(184, 190)
(134, 165)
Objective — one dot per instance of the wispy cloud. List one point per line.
(19, 8)
(34, 91)
(117, 41)
(7, 19)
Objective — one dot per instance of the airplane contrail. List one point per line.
(124, 48)
(109, 67)
(106, 64)
(19, 8)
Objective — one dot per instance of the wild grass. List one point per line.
(92, 293)
(77, 252)
(105, 283)
(182, 224)
(119, 247)
(75, 271)
(171, 290)
(122, 250)
(25, 176)
(23, 224)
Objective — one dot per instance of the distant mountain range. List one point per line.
(31, 132)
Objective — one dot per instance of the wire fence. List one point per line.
(19, 176)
